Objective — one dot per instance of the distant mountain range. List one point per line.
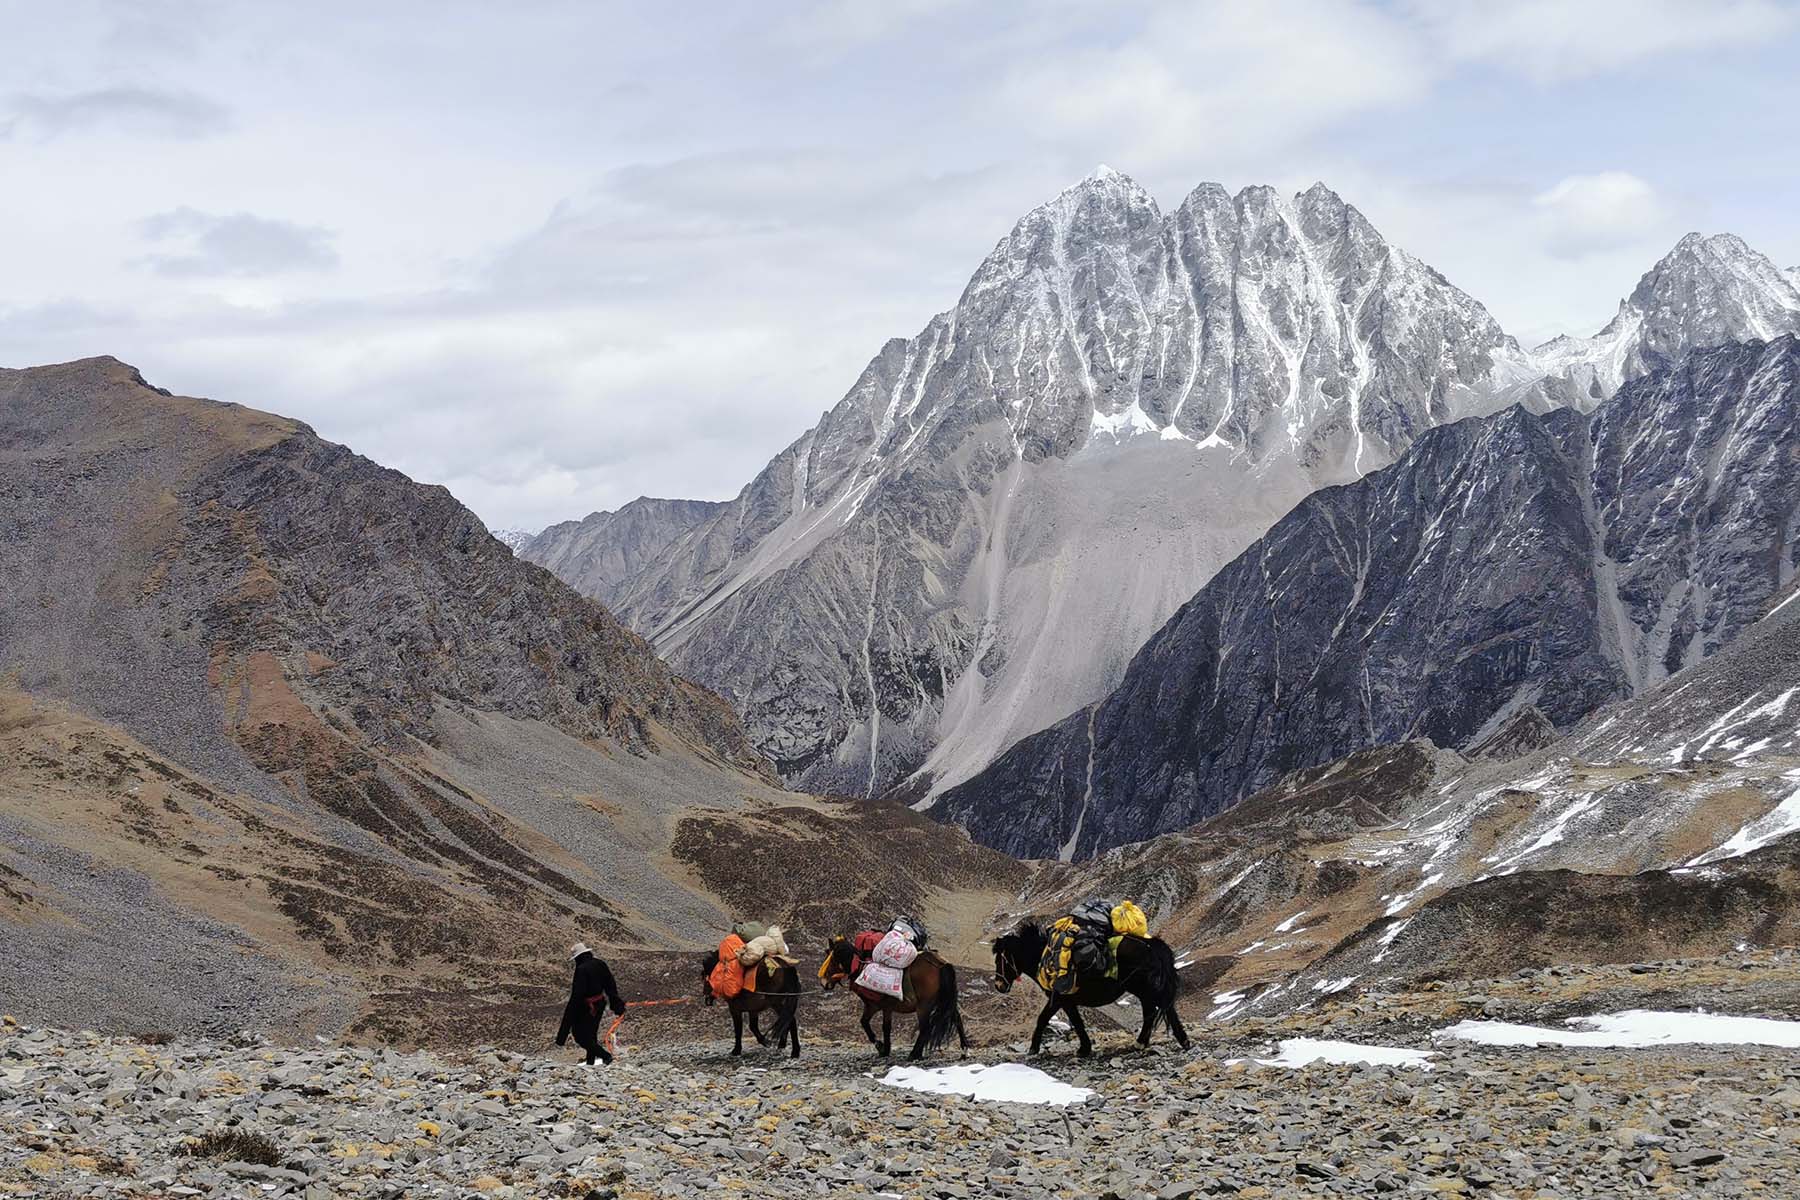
(978, 538)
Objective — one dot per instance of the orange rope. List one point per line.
(607, 1041)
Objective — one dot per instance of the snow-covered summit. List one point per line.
(1707, 291)
(1257, 323)
(515, 539)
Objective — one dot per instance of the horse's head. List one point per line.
(836, 967)
(707, 963)
(1014, 952)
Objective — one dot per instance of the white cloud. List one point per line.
(1559, 39)
(585, 251)
(1590, 214)
(243, 245)
(129, 110)
(1216, 81)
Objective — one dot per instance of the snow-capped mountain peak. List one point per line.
(1120, 399)
(1708, 290)
(972, 542)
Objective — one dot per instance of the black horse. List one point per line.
(777, 989)
(1146, 970)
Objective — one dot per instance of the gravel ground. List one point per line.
(86, 1116)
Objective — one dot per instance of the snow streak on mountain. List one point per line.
(1705, 292)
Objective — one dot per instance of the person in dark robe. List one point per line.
(590, 994)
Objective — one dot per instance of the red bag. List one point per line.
(864, 944)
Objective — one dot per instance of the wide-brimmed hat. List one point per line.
(579, 949)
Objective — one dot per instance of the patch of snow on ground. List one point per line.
(1005, 1083)
(1300, 1052)
(1287, 925)
(1403, 902)
(1635, 1029)
(1780, 821)
(1386, 940)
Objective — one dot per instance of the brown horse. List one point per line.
(932, 985)
(777, 989)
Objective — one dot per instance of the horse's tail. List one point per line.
(1164, 979)
(938, 1025)
(787, 1013)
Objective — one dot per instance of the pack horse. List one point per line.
(891, 973)
(755, 975)
(1089, 960)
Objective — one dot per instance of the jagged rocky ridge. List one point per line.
(1554, 560)
(1707, 291)
(976, 538)
(599, 554)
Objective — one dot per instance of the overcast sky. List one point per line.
(556, 255)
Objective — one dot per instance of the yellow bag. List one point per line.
(1129, 918)
(1053, 968)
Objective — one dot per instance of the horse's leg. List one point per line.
(737, 1026)
(1150, 1008)
(756, 1030)
(887, 1031)
(918, 1050)
(1051, 1004)
(869, 1015)
(962, 1035)
(1074, 1011)
(1181, 1038)
(794, 1026)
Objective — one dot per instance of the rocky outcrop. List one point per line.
(603, 552)
(1527, 729)
(1560, 561)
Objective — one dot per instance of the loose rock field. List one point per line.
(88, 1116)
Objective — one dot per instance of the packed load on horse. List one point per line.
(1086, 943)
(889, 955)
(762, 946)
(911, 929)
(592, 990)
(744, 949)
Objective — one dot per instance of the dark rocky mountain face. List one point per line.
(603, 552)
(1666, 825)
(1555, 560)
